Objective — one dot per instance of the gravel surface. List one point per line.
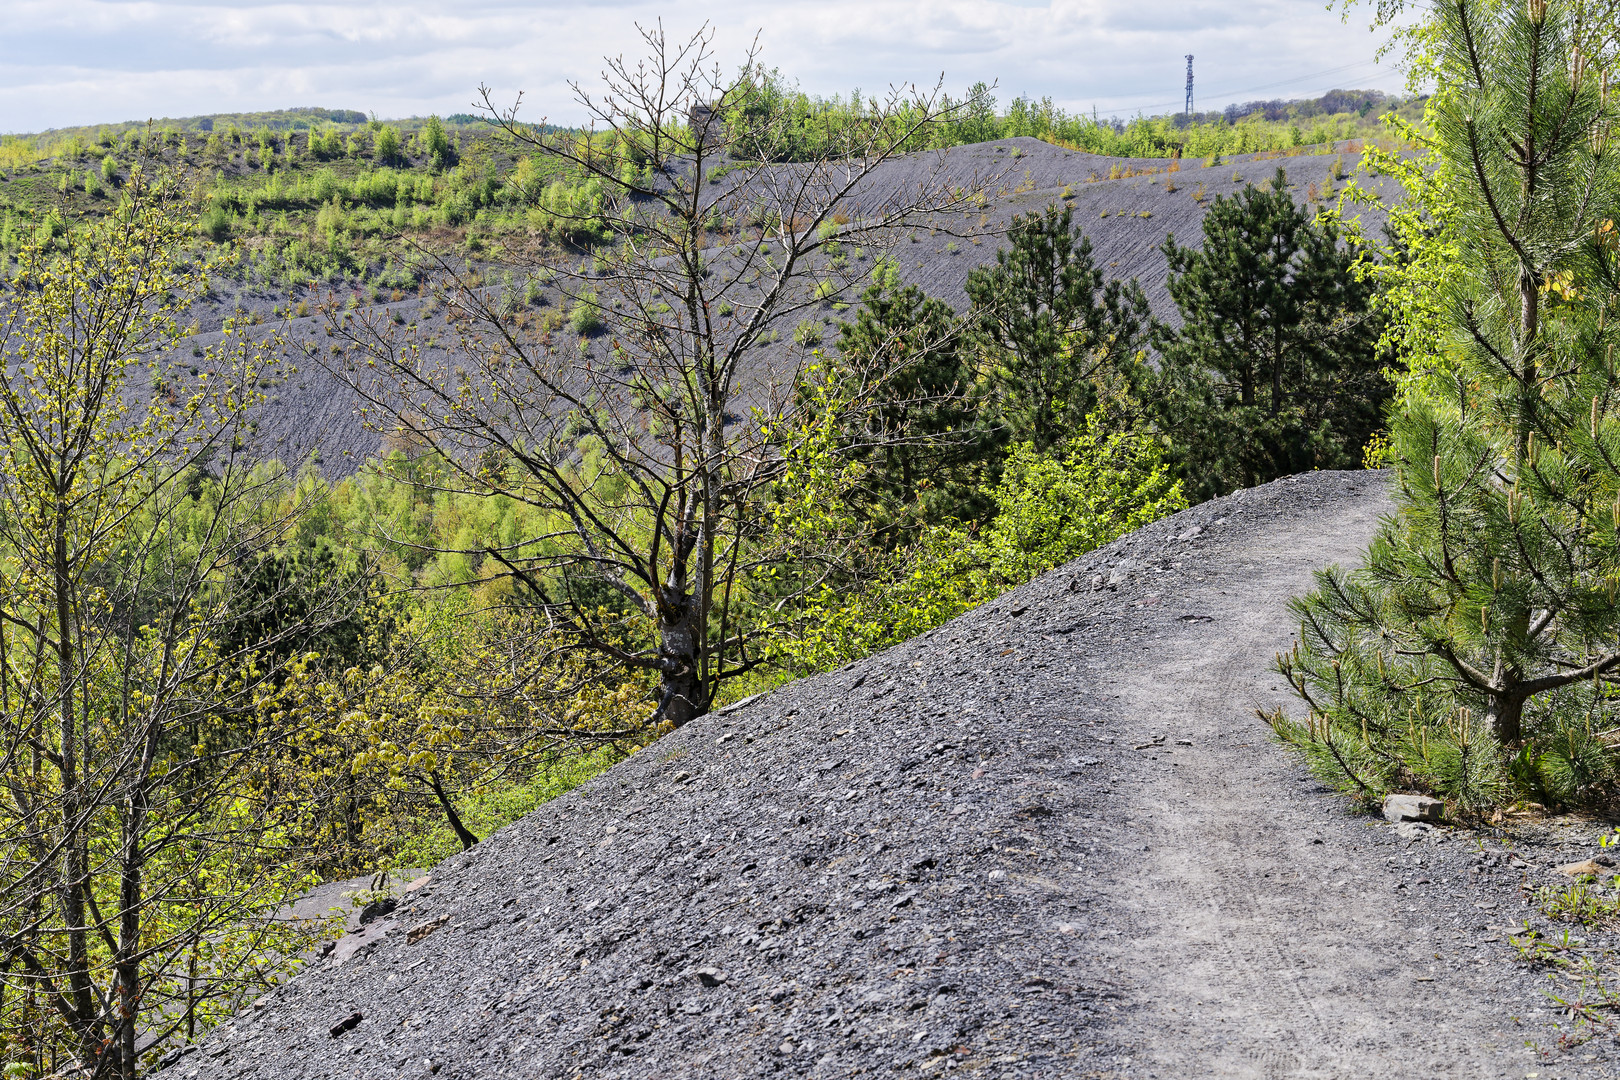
(1049, 839)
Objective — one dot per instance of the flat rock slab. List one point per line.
(1050, 839)
(1413, 808)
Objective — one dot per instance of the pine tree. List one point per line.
(929, 439)
(1475, 655)
(1274, 369)
(1054, 328)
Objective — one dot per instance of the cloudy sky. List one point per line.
(89, 61)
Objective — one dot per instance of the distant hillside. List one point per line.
(300, 119)
(1363, 103)
(1125, 206)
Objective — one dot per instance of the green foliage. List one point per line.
(585, 317)
(1474, 655)
(1274, 369)
(1047, 511)
(497, 805)
(1057, 330)
(141, 851)
(929, 472)
(386, 147)
(805, 126)
(435, 143)
(1588, 901)
(570, 211)
(1053, 509)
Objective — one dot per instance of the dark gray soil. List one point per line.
(1050, 839)
(309, 413)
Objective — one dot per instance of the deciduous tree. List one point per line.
(654, 445)
(134, 836)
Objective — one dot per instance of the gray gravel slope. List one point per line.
(312, 413)
(969, 854)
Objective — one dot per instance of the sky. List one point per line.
(71, 62)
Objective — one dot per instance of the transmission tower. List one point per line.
(1189, 85)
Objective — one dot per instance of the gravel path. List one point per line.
(1049, 839)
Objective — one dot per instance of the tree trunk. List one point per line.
(1505, 713)
(75, 842)
(464, 834)
(682, 695)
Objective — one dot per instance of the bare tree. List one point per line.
(653, 445)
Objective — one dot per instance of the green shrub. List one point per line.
(807, 335)
(435, 143)
(109, 169)
(1048, 510)
(571, 212)
(1052, 509)
(216, 224)
(585, 317)
(385, 148)
(331, 220)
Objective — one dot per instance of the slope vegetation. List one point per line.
(1125, 205)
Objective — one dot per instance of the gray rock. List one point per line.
(1413, 808)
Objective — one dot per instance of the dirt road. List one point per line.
(1269, 935)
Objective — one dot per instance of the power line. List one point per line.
(1268, 86)
(1302, 78)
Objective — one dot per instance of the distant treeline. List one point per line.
(1332, 103)
(301, 119)
(1247, 128)
(17, 151)
(814, 123)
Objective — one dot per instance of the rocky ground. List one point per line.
(1049, 839)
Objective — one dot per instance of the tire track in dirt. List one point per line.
(1266, 948)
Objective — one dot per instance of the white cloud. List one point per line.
(87, 61)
